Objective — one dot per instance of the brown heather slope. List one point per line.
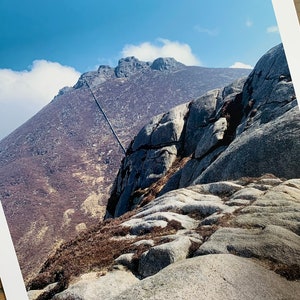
(57, 169)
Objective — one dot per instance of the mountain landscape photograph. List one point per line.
(161, 173)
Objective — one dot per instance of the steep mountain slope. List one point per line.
(199, 218)
(57, 169)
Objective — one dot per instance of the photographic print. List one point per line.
(150, 149)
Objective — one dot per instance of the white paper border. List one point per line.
(289, 28)
(10, 273)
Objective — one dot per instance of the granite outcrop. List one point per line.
(221, 240)
(248, 128)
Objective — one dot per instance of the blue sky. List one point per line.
(83, 34)
(45, 45)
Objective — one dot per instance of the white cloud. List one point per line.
(166, 48)
(249, 23)
(23, 93)
(211, 32)
(241, 65)
(272, 29)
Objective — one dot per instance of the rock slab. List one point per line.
(213, 277)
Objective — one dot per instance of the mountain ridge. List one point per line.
(57, 169)
(172, 232)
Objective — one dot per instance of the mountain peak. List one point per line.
(166, 63)
(105, 70)
(129, 65)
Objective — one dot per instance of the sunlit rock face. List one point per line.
(249, 128)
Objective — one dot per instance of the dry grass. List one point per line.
(94, 250)
(151, 193)
(247, 180)
(97, 248)
(289, 272)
